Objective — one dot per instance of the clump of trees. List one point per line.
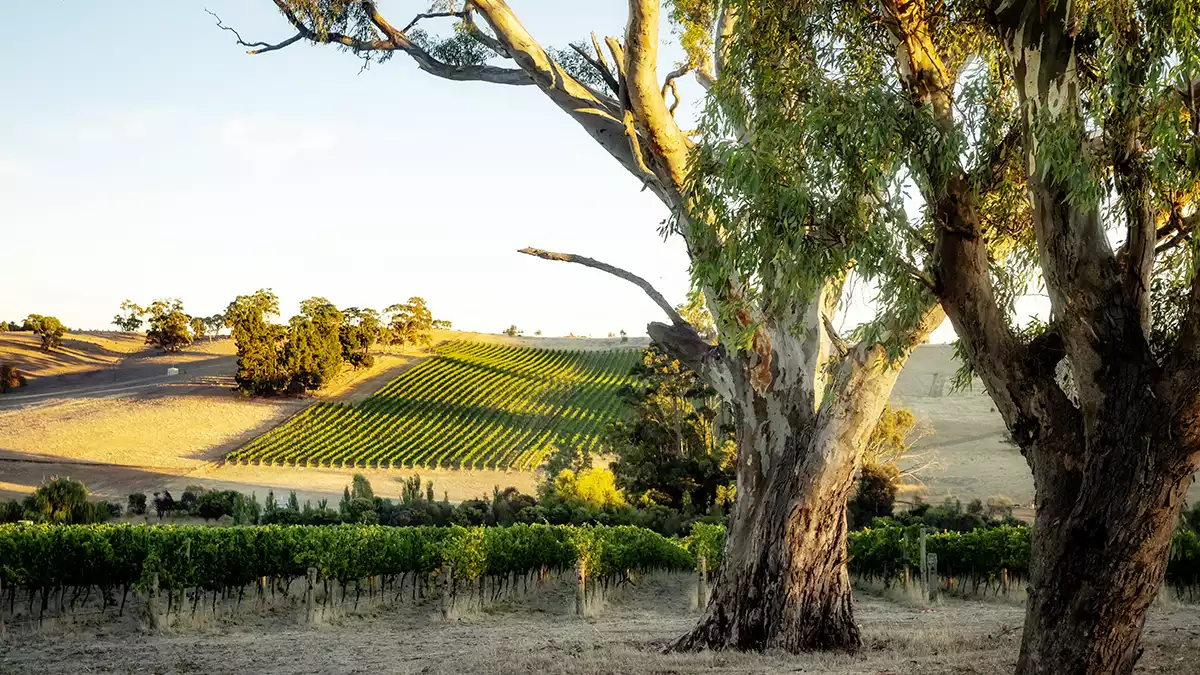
(60, 500)
(48, 328)
(410, 323)
(313, 347)
(168, 325)
(675, 447)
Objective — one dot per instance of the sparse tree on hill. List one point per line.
(214, 324)
(512, 331)
(48, 328)
(167, 328)
(131, 320)
(198, 326)
(772, 271)
(410, 323)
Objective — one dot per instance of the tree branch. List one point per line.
(600, 67)
(256, 47)
(433, 15)
(665, 142)
(615, 271)
(396, 41)
(669, 84)
(839, 344)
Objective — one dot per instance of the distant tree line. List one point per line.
(168, 326)
(48, 328)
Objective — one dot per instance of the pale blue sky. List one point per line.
(144, 154)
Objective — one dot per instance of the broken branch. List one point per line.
(615, 271)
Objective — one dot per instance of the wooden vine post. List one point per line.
(152, 604)
(3, 605)
(1004, 579)
(580, 597)
(702, 582)
(907, 564)
(931, 578)
(924, 566)
(447, 587)
(311, 578)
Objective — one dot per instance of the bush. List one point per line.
(11, 511)
(214, 504)
(61, 500)
(361, 510)
(10, 378)
(474, 512)
(164, 503)
(136, 504)
(875, 495)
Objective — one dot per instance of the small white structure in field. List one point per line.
(171, 372)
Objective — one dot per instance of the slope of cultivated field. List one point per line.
(473, 405)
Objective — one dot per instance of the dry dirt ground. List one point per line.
(105, 411)
(538, 634)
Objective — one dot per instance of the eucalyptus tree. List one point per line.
(772, 272)
(1056, 145)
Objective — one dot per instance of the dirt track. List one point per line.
(538, 634)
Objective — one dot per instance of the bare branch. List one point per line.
(256, 47)
(432, 15)
(838, 343)
(600, 67)
(599, 52)
(615, 271)
(669, 84)
(1180, 237)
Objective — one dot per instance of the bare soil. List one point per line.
(539, 634)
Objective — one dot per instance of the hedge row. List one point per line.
(219, 558)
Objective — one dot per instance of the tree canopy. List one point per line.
(48, 328)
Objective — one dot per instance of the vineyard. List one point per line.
(471, 406)
(49, 563)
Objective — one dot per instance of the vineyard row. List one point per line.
(472, 406)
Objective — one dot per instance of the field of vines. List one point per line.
(43, 560)
(471, 406)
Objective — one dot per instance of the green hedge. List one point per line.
(217, 558)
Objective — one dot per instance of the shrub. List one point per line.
(592, 488)
(875, 496)
(164, 503)
(10, 378)
(61, 500)
(136, 504)
(11, 511)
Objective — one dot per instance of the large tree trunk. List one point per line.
(783, 583)
(1100, 547)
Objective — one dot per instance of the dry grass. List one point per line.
(538, 634)
(79, 352)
